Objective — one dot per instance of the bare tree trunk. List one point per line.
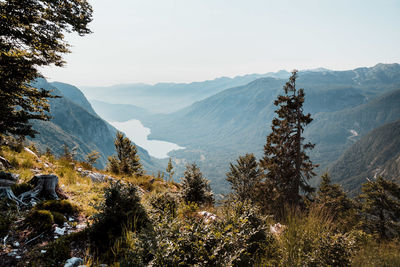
(6, 192)
(45, 188)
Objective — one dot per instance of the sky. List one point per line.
(154, 41)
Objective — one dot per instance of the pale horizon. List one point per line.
(185, 41)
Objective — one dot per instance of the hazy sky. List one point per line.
(193, 40)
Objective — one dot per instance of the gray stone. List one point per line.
(73, 262)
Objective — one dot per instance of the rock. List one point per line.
(97, 177)
(73, 262)
(9, 176)
(43, 251)
(277, 229)
(31, 152)
(207, 216)
(6, 164)
(15, 244)
(18, 257)
(59, 231)
(81, 226)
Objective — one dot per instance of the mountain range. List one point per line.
(217, 124)
(376, 154)
(76, 124)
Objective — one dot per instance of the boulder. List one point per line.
(73, 262)
(5, 163)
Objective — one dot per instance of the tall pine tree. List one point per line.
(287, 167)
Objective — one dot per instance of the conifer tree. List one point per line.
(380, 207)
(244, 177)
(333, 197)
(169, 170)
(127, 160)
(287, 166)
(196, 188)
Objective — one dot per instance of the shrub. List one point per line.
(121, 208)
(59, 218)
(165, 204)
(237, 240)
(61, 206)
(21, 188)
(195, 188)
(41, 220)
(57, 252)
(312, 240)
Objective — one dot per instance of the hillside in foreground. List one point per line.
(140, 220)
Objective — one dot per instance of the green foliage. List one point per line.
(311, 240)
(21, 188)
(7, 216)
(237, 240)
(380, 207)
(32, 37)
(92, 157)
(169, 170)
(245, 177)
(377, 254)
(334, 199)
(40, 220)
(164, 204)
(121, 208)
(196, 188)
(59, 218)
(61, 206)
(287, 166)
(57, 252)
(127, 160)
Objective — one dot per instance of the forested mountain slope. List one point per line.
(335, 131)
(78, 126)
(235, 121)
(377, 153)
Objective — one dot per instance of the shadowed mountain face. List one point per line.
(75, 123)
(377, 153)
(218, 129)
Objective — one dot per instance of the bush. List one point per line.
(312, 240)
(21, 188)
(57, 252)
(41, 220)
(196, 188)
(239, 239)
(58, 218)
(120, 209)
(164, 204)
(61, 206)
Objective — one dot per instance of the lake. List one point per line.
(138, 134)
